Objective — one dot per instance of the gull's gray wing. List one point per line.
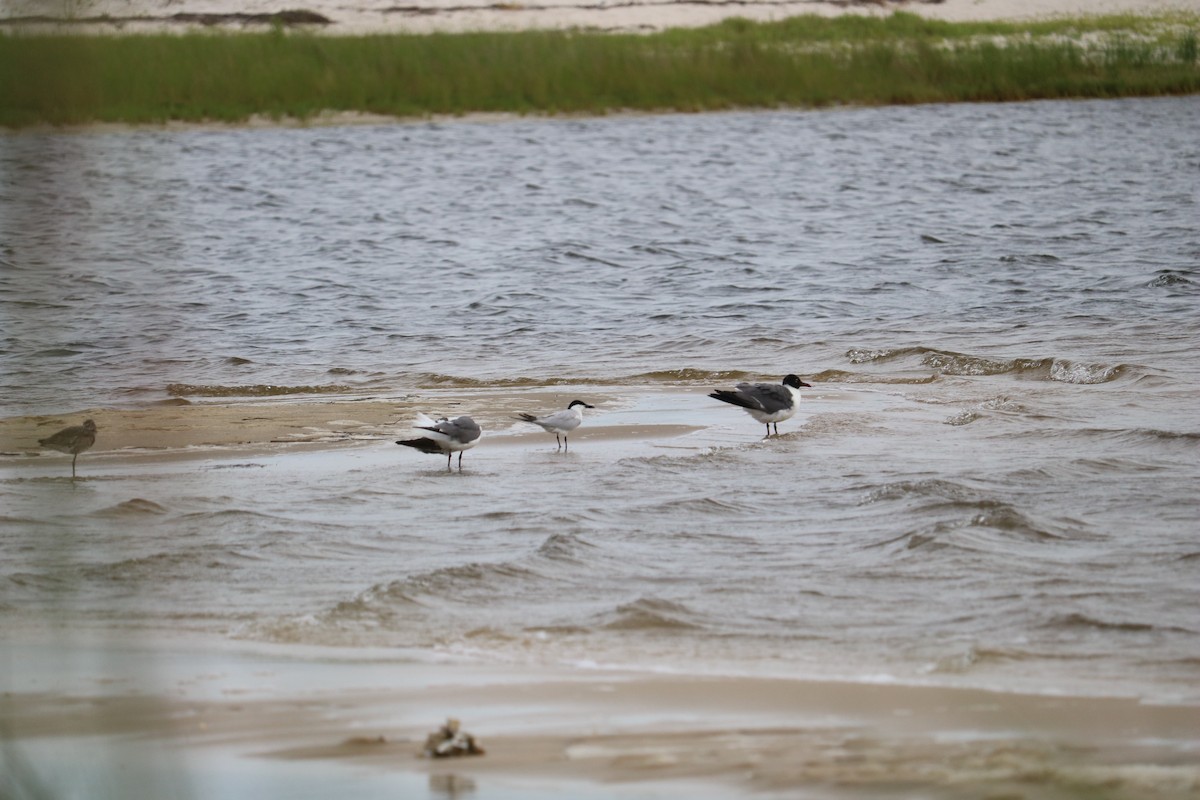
(459, 429)
(561, 419)
(770, 397)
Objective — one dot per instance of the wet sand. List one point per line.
(180, 429)
(590, 729)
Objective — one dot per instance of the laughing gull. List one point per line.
(560, 422)
(447, 436)
(769, 403)
(73, 440)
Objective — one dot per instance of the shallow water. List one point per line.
(993, 481)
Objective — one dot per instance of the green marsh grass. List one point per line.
(799, 62)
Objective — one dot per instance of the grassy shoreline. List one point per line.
(804, 61)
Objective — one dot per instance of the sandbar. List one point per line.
(555, 732)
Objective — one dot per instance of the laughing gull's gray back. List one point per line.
(446, 436)
(769, 403)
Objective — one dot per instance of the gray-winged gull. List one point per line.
(769, 403)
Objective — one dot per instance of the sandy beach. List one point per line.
(599, 733)
(178, 428)
(425, 16)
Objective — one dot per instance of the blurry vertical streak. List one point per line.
(73, 303)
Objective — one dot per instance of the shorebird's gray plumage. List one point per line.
(769, 403)
(445, 436)
(74, 440)
(560, 423)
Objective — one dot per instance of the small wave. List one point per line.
(965, 660)
(422, 609)
(429, 589)
(950, 363)
(490, 634)
(1004, 404)
(932, 487)
(841, 376)
(376, 601)
(451, 581)
(927, 541)
(691, 376)
(1003, 517)
(697, 507)
(1186, 437)
(1140, 436)
(1170, 278)
(664, 377)
(135, 507)
(36, 581)
(1072, 372)
(57, 352)
(649, 614)
(962, 364)
(437, 380)
(954, 509)
(250, 390)
(162, 566)
(304, 629)
(859, 356)
(1031, 258)
(564, 548)
(1077, 620)
(223, 515)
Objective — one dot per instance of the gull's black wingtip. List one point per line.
(733, 398)
(422, 444)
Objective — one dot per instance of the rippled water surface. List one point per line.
(993, 481)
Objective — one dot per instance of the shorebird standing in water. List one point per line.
(73, 440)
(769, 403)
(447, 436)
(560, 423)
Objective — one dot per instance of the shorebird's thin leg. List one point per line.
(566, 447)
(73, 466)
(449, 456)
(460, 460)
